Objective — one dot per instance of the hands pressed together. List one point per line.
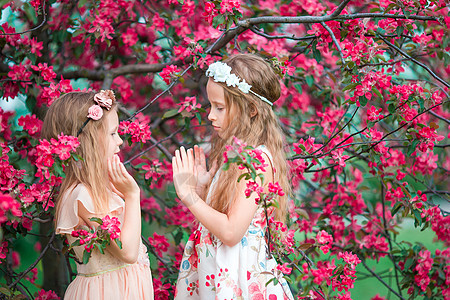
(190, 175)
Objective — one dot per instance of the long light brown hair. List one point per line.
(254, 122)
(66, 115)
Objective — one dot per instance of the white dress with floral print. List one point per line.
(211, 270)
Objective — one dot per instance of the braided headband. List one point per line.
(104, 98)
(221, 72)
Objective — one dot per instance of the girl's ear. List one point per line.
(253, 111)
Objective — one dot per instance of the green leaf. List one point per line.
(317, 55)
(170, 113)
(100, 248)
(245, 175)
(412, 147)
(391, 108)
(86, 256)
(5, 291)
(389, 7)
(30, 103)
(199, 118)
(363, 100)
(299, 88)
(81, 3)
(396, 208)
(417, 217)
(309, 80)
(95, 219)
(218, 20)
(376, 91)
(118, 242)
(351, 86)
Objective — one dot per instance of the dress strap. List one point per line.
(264, 149)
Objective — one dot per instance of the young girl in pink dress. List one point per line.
(95, 186)
(226, 257)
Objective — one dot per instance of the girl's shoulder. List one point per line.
(76, 193)
(266, 151)
(68, 209)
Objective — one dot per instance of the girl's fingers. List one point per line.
(174, 165)
(178, 159)
(184, 157)
(189, 159)
(202, 158)
(197, 161)
(124, 171)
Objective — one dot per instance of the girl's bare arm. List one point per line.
(229, 228)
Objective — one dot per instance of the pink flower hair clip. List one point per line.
(104, 99)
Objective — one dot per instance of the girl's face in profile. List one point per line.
(113, 141)
(218, 113)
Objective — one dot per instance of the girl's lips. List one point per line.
(216, 128)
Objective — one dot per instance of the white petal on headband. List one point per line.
(221, 72)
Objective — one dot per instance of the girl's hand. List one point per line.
(122, 182)
(184, 177)
(203, 175)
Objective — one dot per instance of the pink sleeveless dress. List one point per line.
(104, 276)
(212, 270)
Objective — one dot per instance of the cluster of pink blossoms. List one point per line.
(46, 151)
(8, 204)
(46, 295)
(31, 124)
(9, 176)
(325, 240)
(439, 224)
(138, 129)
(423, 267)
(112, 226)
(169, 73)
(108, 230)
(159, 243)
(85, 238)
(238, 150)
(189, 104)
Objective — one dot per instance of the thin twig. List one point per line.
(416, 62)
(44, 13)
(41, 255)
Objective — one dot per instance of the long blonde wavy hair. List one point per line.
(66, 115)
(254, 122)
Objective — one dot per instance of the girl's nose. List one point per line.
(211, 116)
(120, 142)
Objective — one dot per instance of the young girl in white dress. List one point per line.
(227, 257)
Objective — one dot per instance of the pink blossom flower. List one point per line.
(31, 124)
(95, 112)
(169, 73)
(130, 37)
(160, 244)
(138, 129)
(284, 268)
(373, 113)
(189, 104)
(8, 204)
(111, 225)
(105, 98)
(46, 72)
(20, 73)
(275, 188)
(325, 240)
(46, 295)
(351, 259)
(103, 26)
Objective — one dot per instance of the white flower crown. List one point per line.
(221, 72)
